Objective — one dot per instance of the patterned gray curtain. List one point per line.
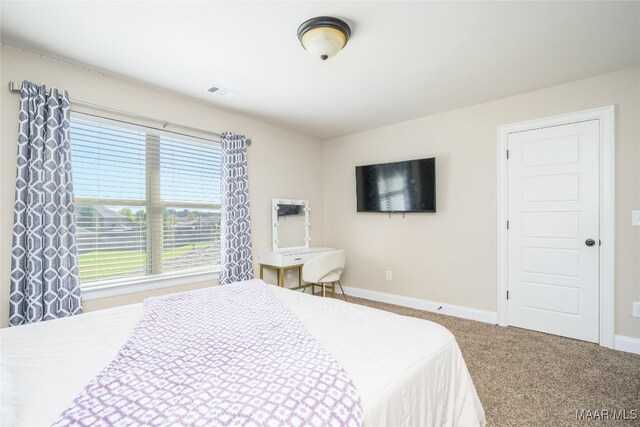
(44, 260)
(235, 228)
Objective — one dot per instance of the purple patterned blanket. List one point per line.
(226, 355)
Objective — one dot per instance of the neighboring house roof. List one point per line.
(125, 227)
(106, 213)
(82, 230)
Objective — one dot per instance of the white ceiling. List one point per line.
(404, 60)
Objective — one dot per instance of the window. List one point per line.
(147, 201)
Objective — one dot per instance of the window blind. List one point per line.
(147, 201)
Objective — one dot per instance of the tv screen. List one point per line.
(408, 186)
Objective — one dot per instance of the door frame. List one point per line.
(606, 116)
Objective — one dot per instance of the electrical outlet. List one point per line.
(635, 217)
(289, 274)
(388, 275)
(636, 309)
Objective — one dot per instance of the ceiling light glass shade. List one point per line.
(323, 43)
(324, 36)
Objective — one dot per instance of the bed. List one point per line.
(408, 371)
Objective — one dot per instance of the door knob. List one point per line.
(590, 242)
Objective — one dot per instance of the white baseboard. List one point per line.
(426, 305)
(628, 344)
(622, 343)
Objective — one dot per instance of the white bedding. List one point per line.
(409, 372)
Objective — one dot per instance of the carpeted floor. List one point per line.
(526, 378)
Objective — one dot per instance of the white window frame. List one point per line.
(154, 207)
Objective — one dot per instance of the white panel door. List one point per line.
(554, 230)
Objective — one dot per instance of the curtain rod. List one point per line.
(13, 87)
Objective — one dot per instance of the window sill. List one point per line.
(117, 287)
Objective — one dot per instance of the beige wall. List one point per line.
(282, 164)
(450, 256)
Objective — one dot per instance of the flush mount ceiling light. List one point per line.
(324, 36)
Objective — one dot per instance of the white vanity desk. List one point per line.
(290, 238)
(287, 259)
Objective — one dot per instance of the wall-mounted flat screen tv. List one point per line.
(408, 186)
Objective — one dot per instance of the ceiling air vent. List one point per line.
(221, 92)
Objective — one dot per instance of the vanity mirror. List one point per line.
(290, 224)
